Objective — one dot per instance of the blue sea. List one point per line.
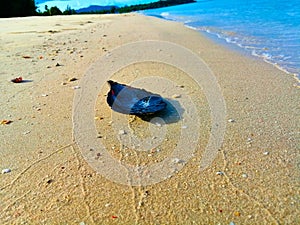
(266, 29)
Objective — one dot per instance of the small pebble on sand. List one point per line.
(220, 173)
(72, 79)
(237, 213)
(231, 120)
(266, 153)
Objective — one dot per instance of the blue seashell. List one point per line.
(134, 101)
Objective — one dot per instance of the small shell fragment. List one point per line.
(4, 122)
(244, 175)
(177, 161)
(121, 132)
(176, 96)
(7, 170)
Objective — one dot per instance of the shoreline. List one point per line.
(247, 53)
(252, 179)
(233, 47)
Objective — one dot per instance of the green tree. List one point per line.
(46, 12)
(113, 9)
(55, 11)
(153, 5)
(69, 11)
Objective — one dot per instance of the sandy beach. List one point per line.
(50, 177)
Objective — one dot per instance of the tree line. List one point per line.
(20, 8)
(153, 5)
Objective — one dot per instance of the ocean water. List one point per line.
(266, 29)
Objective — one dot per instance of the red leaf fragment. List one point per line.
(17, 80)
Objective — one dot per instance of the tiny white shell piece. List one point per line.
(176, 160)
(7, 170)
(176, 96)
(244, 175)
(121, 132)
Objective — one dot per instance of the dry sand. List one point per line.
(51, 183)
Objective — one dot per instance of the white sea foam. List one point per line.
(260, 28)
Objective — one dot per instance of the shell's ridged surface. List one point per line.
(134, 101)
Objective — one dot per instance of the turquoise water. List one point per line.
(266, 29)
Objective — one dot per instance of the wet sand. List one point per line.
(254, 178)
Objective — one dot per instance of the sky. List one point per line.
(77, 4)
